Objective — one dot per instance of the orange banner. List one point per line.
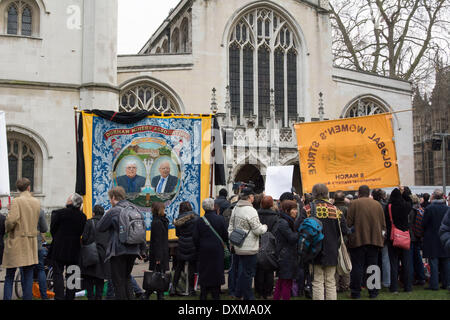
(347, 153)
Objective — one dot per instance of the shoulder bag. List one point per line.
(344, 265)
(88, 253)
(400, 239)
(237, 236)
(226, 252)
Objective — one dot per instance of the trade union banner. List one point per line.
(347, 153)
(153, 157)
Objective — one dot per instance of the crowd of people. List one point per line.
(365, 223)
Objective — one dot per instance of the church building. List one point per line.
(260, 65)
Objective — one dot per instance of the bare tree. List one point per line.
(396, 38)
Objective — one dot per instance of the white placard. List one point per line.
(4, 171)
(278, 180)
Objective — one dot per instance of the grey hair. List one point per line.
(208, 204)
(131, 162)
(438, 194)
(77, 200)
(320, 191)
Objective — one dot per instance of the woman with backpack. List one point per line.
(264, 278)
(287, 238)
(94, 275)
(159, 244)
(399, 208)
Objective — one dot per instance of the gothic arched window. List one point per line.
(13, 19)
(175, 48)
(147, 97)
(22, 17)
(184, 27)
(365, 106)
(262, 55)
(24, 161)
(26, 21)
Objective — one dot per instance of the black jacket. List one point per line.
(101, 270)
(432, 220)
(331, 241)
(210, 249)
(110, 223)
(66, 228)
(287, 247)
(269, 218)
(184, 227)
(444, 232)
(400, 212)
(159, 244)
(223, 204)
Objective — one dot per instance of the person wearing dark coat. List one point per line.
(95, 275)
(444, 232)
(264, 279)
(222, 201)
(287, 238)
(186, 252)
(324, 264)
(66, 228)
(121, 256)
(433, 249)
(400, 209)
(159, 243)
(210, 251)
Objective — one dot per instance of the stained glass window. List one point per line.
(235, 91)
(12, 20)
(147, 97)
(26, 21)
(263, 56)
(21, 162)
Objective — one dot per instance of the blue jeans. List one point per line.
(417, 268)
(41, 276)
(26, 279)
(135, 286)
(442, 266)
(246, 272)
(232, 275)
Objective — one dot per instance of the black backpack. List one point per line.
(267, 257)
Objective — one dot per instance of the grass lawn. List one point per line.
(418, 293)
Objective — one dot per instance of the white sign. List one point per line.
(4, 171)
(278, 181)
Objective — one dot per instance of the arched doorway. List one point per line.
(251, 173)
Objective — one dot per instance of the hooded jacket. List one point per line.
(110, 222)
(246, 218)
(184, 227)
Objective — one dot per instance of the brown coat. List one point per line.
(21, 228)
(367, 216)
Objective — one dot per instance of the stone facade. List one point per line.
(66, 65)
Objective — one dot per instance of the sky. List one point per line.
(138, 20)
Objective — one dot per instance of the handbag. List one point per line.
(344, 265)
(237, 236)
(89, 254)
(156, 281)
(400, 239)
(226, 252)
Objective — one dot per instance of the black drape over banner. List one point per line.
(219, 164)
(133, 117)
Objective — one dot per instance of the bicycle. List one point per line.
(48, 272)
